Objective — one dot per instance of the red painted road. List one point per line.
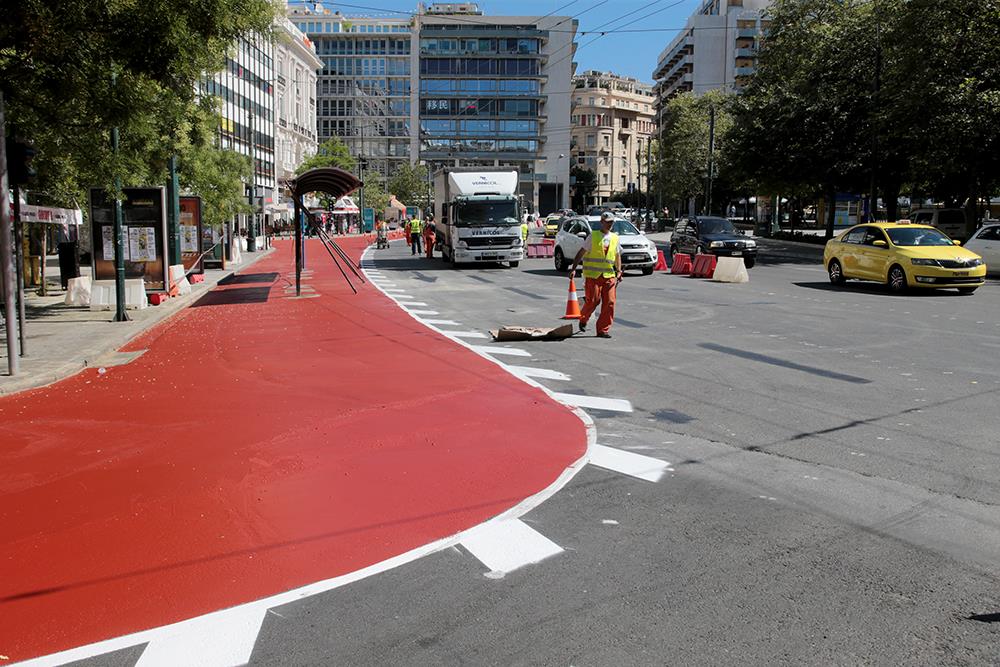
(261, 443)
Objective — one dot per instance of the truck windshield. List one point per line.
(486, 214)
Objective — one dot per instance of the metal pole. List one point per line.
(19, 266)
(120, 314)
(711, 159)
(174, 214)
(252, 218)
(298, 245)
(6, 258)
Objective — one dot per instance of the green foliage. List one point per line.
(680, 162)
(906, 89)
(331, 153)
(409, 184)
(376, 196)
(57, 65)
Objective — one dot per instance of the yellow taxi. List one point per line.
(903, 255)
(552, 224)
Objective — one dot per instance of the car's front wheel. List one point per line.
(749, 262)
(648, 270)
(896, 279)
(836, 273)
(559, 259)
(514, 264)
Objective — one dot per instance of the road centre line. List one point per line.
(510, 351)
(505, 546)
(224, 639)
(596, 402)
(628, 463)
(543, 373)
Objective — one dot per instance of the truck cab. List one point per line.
(479, 216)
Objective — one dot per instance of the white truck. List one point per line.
(477, 213)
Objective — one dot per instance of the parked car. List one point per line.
(637, 252)
(903, 255)
(951, 221)
(715, 236)
(986, 244)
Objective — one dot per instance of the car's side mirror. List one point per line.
(879, 243)
(956, 242)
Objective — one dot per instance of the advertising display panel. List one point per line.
(192, 235)
(144, 235)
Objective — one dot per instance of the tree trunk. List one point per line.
(831, 212)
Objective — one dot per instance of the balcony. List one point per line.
(745, 71)
(747, 32)
(746, 53)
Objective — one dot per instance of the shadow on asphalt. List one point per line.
(877, 288)
(234, 296)
(784, 363)
(249, 278)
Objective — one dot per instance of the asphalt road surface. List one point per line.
(832, 494)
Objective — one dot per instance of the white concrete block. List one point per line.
(78, 291)
(731, 270)
(178, 279)
(102, 294)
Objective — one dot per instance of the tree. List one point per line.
(331, 153)
(56, 69)
(409, 184)
(681, 160)
(584, 184)
(375, 195)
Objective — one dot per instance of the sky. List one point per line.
(628, 53)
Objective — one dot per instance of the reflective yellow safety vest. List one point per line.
(415, 226)
(524, 231)
(596, 263)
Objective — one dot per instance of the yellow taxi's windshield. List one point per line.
(917, 236)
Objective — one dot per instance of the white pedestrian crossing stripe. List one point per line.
(628, 463)
(504, 546)
(595, 402)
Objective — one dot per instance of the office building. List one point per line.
(296, 67)
(363, 93)
(613, 120)
(716, 50)
(246, 91)
(449, 85)
(494, 92)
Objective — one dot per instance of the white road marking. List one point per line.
(597, 402)
(504, 546)
(543, 373)
(226, 638)
(381, 284)
(445, 322)
(465, 334)
(629, 463)
(421, 312)
(405, 302)
(509, 351)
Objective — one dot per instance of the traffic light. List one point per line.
(19, 156)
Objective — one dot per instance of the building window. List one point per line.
(591, 140)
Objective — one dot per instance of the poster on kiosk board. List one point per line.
(144, 235)
(192, 235)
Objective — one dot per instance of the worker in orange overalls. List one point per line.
(429, 237)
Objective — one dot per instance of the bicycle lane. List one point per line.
(260, 443)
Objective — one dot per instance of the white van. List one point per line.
(951, 221)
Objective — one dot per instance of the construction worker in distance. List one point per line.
(602, 271)
(429, 237)
(416, 228)
(524, 233)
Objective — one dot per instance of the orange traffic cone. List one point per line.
(572, 305)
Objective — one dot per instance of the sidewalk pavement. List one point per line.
(61, 340)
(261, 442)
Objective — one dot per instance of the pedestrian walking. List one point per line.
(430, 232)
(416, 229)
(524, 233)
(602, 271)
